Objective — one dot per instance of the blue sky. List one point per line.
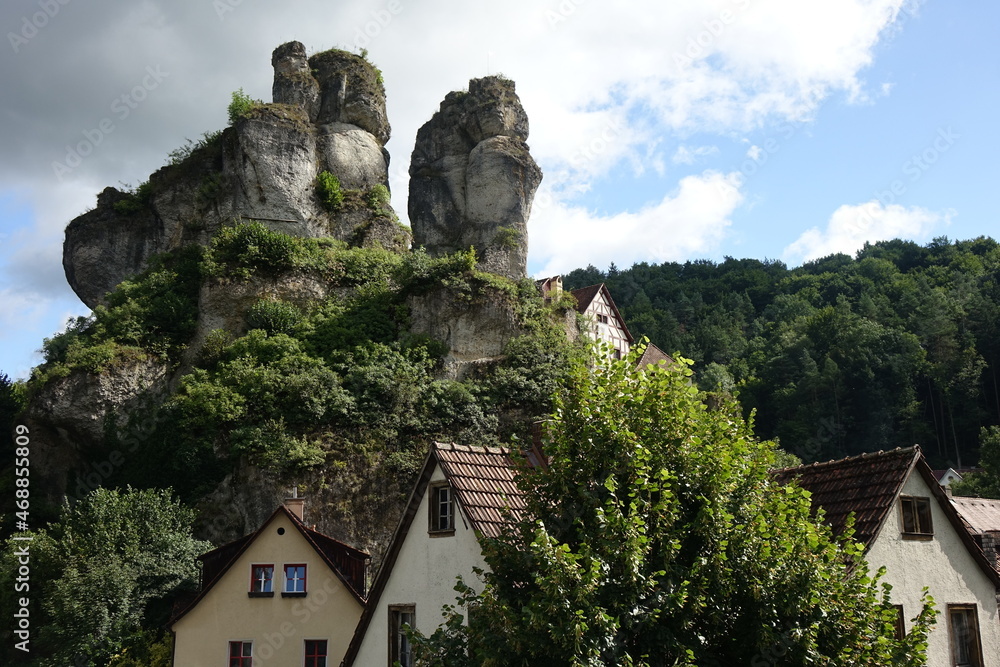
(781, 129)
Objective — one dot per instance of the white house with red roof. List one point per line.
(461, 491)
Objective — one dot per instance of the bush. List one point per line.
(135, 201)
(329, 192)
(377, 197)
(274, 316)
(252, 246)
(240, 105)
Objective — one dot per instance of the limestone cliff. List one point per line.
(312, 349)
(328, 114)
(472, 179)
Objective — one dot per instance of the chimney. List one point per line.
(296, 505)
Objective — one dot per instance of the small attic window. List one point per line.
(916, 514)
(603, 319)
(442, 510)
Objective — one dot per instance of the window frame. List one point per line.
(247, 659)
(396, 613)
(253, 581)
(312, 660)
(434, 503)
(285, 593)
(910, 516)
(975, 645)
(900, 622)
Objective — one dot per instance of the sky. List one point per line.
(666, 131)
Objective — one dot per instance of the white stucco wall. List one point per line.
(424, 576)
(610, 332)
(277, 626)
(944, 565)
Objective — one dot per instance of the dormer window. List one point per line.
(916, 517)
(262, 580)
(442, 509)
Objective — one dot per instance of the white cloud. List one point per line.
(754, 152)
(851, 226)
(683, 223)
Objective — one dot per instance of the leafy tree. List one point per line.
(658, 537)
(984, 484)
(105, 571)
(11, 403)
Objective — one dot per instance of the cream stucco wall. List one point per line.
(944, 565)
(424, 576)
(277, 626)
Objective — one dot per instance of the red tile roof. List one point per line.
(483, 480)
(865, 485)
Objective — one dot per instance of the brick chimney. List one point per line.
(296, 505)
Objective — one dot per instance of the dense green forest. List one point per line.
(895, 346)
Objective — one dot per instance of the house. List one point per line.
(461, 491)
(283, 595)
(907, 524)
(982, 519)
(605, 322)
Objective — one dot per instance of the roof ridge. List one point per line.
(912, 449)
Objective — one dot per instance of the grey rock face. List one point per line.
(475, 333)
(328, 114)
(472, 179)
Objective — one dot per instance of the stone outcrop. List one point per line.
(328, 114)
(472, 179)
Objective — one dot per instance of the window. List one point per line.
(916, 516)
(261, 580)
(240, 654)
(316, 653)
(295, 580)
(442, 509)
(400, 650)
(603, 319)
(900, 622)
(963, 630)
(617, 354)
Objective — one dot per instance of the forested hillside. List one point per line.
(896, 346)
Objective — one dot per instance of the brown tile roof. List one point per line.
(585, 295)
(653, 355)
(483, 480)
(865, 485)
(868, 485)
(982, 514)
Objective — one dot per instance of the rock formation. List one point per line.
(472, 184)
(472, 178)
(328, 114)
